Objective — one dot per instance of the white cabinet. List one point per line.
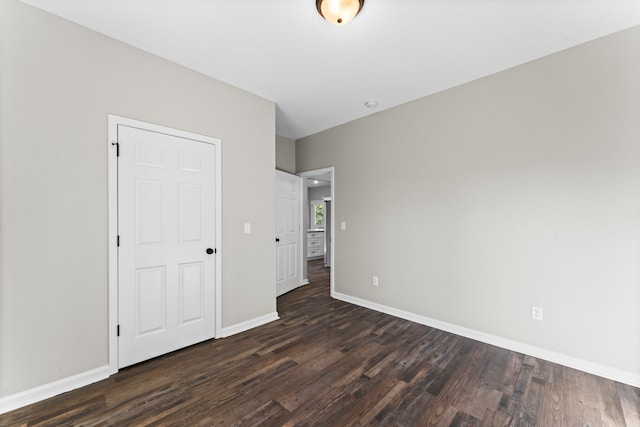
(315, 244)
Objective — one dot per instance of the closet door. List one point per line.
(166, 227)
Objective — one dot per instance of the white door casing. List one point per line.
(288, 232)
(168, 218)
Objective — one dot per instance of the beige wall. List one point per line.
(58, 82)
(519, 189)
(285, 154)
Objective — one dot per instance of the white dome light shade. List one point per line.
(339, 12)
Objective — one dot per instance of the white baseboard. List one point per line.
(600, 370)
(249, 324)
(28, 397)
(304, 282)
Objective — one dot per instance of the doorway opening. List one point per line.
(318, 220)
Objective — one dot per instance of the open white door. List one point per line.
(288, 232)
(167, 242)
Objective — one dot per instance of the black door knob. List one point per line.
(209, 251)
(277, 239)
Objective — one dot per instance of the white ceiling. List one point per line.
(322, 180)
(320, 75)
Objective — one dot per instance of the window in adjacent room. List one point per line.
(317, 214)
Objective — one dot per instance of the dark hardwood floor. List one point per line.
(329, 363)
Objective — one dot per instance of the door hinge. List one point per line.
(118, 241)
(117, 148)
(118, 331)
(215, 250)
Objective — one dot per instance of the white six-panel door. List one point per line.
(166, 226)
(288, 232)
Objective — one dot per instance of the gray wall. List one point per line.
(58, 82)
(317, 193)
(519, 189)
(285, 154)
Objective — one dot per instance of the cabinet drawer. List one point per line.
(314, 252)
(314, 243)
(315, 235)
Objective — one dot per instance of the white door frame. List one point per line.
(333, 218)
(112, 139)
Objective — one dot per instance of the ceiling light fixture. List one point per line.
(339, 12)
(371, 104)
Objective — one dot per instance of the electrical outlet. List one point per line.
(536, 313)
(375, 281)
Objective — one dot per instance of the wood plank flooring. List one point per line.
(329, 363)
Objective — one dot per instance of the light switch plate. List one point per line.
(536, 313)
(247, 227)
(343, 225)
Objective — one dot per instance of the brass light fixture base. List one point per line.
(339, 12)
